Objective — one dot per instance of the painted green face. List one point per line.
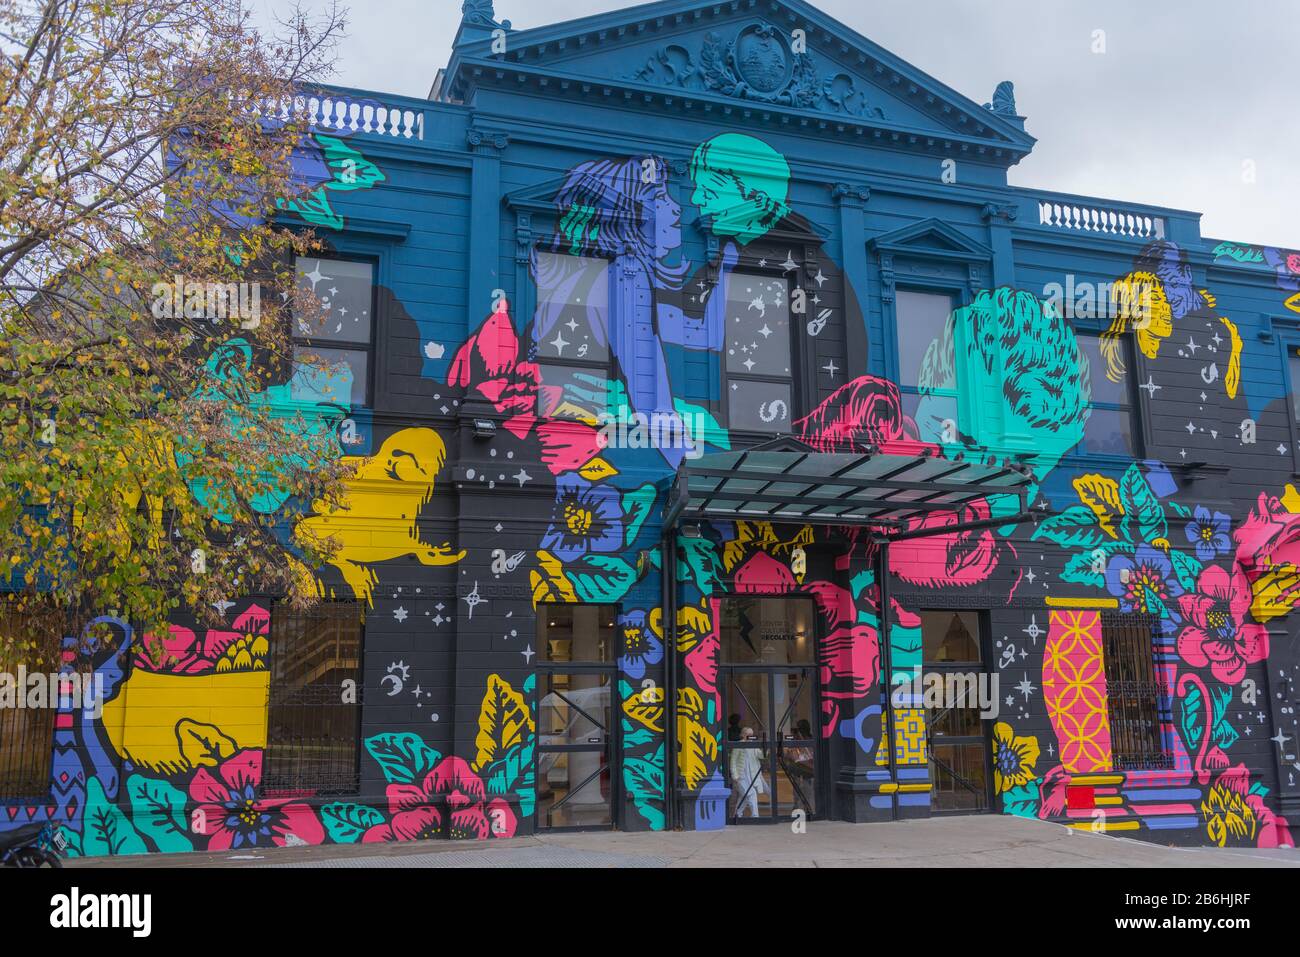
(741, 183)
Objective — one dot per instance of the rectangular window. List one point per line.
(769, 631)
(1133, 693)
(572, 331)
(1293, 383)
(576, 634)
(313, 726)
(1112, 422)
(760, 384)
(920, 319)
(576, 757)
(27, 734)
(952, 657)
(338, 338)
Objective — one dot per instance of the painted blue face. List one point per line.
(667, 223)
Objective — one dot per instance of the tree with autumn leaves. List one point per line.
(156, 442)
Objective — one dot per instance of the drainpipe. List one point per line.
(668, 573)
(887, 668)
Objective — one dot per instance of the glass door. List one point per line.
(576, 770)
(952, 643)
(771, 748)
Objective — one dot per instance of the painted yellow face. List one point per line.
(1140, 299)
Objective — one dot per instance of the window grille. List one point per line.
(1133, 693)
(314, 723)
(31, 638)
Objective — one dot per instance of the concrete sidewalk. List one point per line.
(971, 841)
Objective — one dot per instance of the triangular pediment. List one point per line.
(537, 198)
(931, 237)
(769, 56)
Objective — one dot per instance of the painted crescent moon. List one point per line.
(397, 684)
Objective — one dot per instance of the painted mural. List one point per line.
(624, 326)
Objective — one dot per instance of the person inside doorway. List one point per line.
(799, 755)
(733, 728)
(747, 778)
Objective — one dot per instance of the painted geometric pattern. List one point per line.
(909, 738)
(1074, 688)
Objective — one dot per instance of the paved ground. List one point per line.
(976, 841)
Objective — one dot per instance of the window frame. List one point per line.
(279, 610)
(27, 743)
(608, 368)
(958, 297)
(613, 744)
(1161, 698)
(1289, 343)
(1136, 408)
(331, 345)
(749, 266)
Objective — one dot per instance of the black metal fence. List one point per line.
(1133, 692)
(314, 714)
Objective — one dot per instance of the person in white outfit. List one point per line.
(746, 766)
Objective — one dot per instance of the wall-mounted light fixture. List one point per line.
(484, 428)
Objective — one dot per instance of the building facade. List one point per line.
(734, 444)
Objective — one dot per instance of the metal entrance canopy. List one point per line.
(789, 481)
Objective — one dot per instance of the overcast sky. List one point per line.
(1186, 93)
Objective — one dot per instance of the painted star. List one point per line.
(400, 613)
(765, 331)
(315, 275)
(1191, 429)
(521, 477)
(1279, 739)
(1025, 687)
(473, 600)
(831, 368)
(1151, 387)
(749, 365)
(1281, 449)
(572, 324)
(528, 654)
(559, 344)
(789, 263)
(1192, 345)
(819, 278)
